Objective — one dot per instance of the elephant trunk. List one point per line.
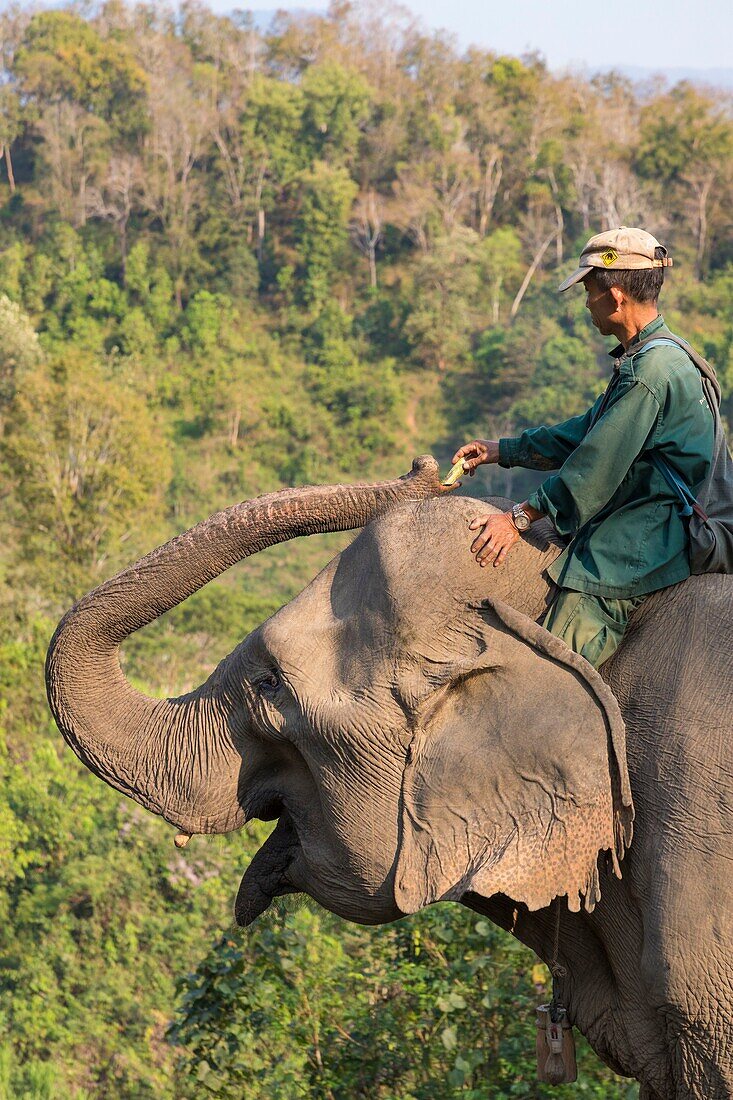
(179, 757)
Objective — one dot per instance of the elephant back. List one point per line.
(673, 679)
(676, 660)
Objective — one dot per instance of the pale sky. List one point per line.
(653, 34)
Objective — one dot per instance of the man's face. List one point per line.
(601, 305)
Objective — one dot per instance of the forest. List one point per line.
(230, 261)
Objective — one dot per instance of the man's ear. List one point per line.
(618, 296)
(516, 777)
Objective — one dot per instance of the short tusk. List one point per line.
(181, 839)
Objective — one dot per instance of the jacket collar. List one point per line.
(620, 352)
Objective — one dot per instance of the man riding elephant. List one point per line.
(613, 496)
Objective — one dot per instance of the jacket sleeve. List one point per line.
(595, 469)
(546, 448)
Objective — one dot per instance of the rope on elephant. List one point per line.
(556, 1063)
(555, 968)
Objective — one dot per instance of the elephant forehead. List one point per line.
(418, 556)
(401, 578)
(333, 633)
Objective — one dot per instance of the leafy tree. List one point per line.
(361, 402)
(326, 195)
(63, 58)
(336, 107)
(687, 140)
(502, 266)
(266, 148)
(442, 1003)
(88, 467)
(150, 287)
(20, 350)
(565, 381)
(11, 124)
(446, 286)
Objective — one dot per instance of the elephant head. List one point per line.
(412, 729)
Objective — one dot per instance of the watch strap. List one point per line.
(518, 513)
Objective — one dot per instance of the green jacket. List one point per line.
(626, 534)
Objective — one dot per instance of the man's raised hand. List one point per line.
(476, 453)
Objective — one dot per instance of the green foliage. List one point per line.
(238, 271)
(11, 116)
(205, 322)
(20, 350)
(446, 285)
(150, 287)
(688, 134)
(538, 372)
(564, 382)
(272, 120)
(33, 1079)
(326, 195)
(440, 1005)
(501, 267)
(336, 105)
(87, 466)
(63, 57)
(104, 894)
(361, 401)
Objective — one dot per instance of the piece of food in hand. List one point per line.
(457, 470)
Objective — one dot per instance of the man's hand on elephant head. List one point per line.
(498, 535)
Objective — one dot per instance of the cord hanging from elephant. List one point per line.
(419, 737)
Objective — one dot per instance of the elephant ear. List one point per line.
(516, 777)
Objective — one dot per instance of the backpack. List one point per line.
(710, 516)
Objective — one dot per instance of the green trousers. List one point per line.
(591, 625)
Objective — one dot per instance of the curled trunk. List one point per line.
(180, 757)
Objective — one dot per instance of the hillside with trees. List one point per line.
(232, 261)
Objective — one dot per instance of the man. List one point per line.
(627, 537)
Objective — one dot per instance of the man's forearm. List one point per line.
(547, 447)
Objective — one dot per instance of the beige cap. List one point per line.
(620, 249)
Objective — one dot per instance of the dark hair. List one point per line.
(642, 286)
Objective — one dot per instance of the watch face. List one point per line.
(521, 520)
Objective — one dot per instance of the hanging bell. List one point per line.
(556, 1063)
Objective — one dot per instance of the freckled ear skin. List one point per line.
(517, 775)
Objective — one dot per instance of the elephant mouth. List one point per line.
(265, 878)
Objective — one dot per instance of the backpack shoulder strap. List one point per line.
(702, 365)
(711, 390)
(678, 486)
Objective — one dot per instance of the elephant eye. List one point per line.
(269, 684)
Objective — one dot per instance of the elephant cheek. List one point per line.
(344, 894)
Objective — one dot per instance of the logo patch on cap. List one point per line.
(609, 256)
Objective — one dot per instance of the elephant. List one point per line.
(418, 737)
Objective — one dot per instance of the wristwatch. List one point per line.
(522, 522)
